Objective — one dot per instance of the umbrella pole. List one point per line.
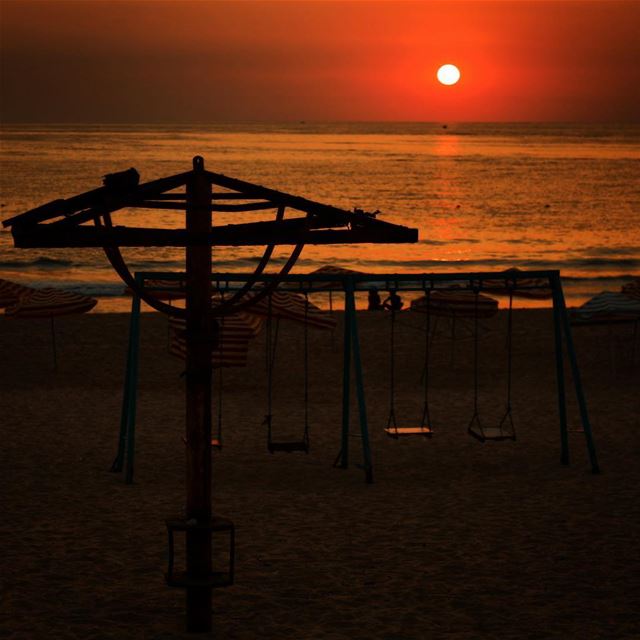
(198, 403)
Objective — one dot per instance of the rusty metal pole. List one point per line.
(199, 340)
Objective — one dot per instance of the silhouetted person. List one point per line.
(375, 304)
(393, 302)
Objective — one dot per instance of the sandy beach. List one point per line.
(455, 539)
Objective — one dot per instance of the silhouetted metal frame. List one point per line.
(350, 284)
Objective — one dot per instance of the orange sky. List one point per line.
(182, 61)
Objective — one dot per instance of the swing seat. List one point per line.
(397, 432)
(216, 443)
(495, 434)
(288, 447)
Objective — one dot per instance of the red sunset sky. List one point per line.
(183, 61)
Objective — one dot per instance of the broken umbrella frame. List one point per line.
(61, 223)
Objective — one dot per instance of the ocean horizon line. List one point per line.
(309, 121)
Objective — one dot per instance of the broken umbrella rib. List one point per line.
(58, 223)
(100, 197)
(216, 195)
(181, 206)
(251, 234)
(127, 194)
(294, 202)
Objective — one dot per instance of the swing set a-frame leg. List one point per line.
(352, 350)
(362, 407)
(126, 438)
(561, 325)
(342, 461)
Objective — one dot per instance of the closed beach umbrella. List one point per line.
(235, 333)
(11, 292)
(531, 288)
(49, 303)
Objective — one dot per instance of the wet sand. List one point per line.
(455, 539)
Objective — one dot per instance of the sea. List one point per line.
(484, 196)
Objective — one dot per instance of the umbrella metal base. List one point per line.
(216, 578)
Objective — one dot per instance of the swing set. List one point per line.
(424, 428)
(505, 429)
(511, 283)
(290, 445)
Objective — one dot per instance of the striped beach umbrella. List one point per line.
(163, 289)
(531, 288)
(235, 333)
(293, 306)
(456, 304)
(49, 303)
(11, 292)
(608, 306)
(331, 270)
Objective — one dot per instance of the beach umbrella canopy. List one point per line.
(331, 270)
(531, 288)
(11, 292)
(235, 333)
(50, 302)
(456, 303)
(632, 289)
(163, 289)
(293, 306)
(608, 306)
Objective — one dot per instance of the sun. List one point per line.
(448, 74)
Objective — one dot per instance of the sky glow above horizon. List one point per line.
(201, 61)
